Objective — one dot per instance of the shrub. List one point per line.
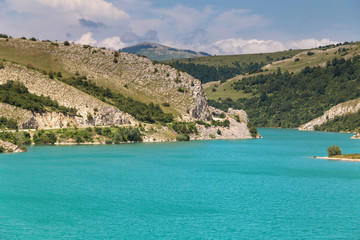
(334, 150)
(33, 39)
(212, 136)
(218, 132)
(89, 117)
(252, 129)
(115, 60)
(297, 59)
(2, 149)
(51, 75)
(1, 65)
(183, 137)
(166, 104)
(66, 43)
(23, 148)
(108, 141)
(181, 89)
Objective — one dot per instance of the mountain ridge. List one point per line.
(159, 52)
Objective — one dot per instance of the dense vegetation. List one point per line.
(346, 123)
(184, 127)
(149, 113)
(289, 100)
(17, 94)
(207, 73)
(112, 135)
(44, 137)
(8, 123)
(17, 138)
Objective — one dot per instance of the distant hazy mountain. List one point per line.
(160, 52)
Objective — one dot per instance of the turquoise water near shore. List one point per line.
(222, 189)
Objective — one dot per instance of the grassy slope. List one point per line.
(319, 58)
(67, 60)
(228, 60)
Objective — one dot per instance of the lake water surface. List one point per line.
(222, 189)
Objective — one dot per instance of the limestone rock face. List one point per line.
(236, 130)
(352, 106)
(241, 113)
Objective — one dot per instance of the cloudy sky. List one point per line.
(217, 27)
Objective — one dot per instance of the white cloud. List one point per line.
(238, 45)
(112, 43)
(88, 8)
(87, 39)
(310, 43)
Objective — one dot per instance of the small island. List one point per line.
(335, 153)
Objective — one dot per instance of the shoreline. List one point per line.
(339, 159)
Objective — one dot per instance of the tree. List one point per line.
(334, 150)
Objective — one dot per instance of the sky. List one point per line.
(213, 26)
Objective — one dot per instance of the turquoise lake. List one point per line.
(268, 188)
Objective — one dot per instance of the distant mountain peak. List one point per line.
(159, 52)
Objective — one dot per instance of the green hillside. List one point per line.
(308, 58)
(288, 99)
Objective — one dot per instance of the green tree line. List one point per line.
(17, 94)
(207, 73)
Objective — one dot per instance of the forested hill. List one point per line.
(284, 99)
(221, 68)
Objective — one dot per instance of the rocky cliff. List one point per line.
(352, 106)
(131, 75)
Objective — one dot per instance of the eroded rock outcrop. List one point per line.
(352, 106)
(237, 128)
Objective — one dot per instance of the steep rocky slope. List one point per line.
(126, 73)
(40, 84)
(352, 106)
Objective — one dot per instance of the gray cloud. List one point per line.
(91, 24)
(196, 36)
(149, 36)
